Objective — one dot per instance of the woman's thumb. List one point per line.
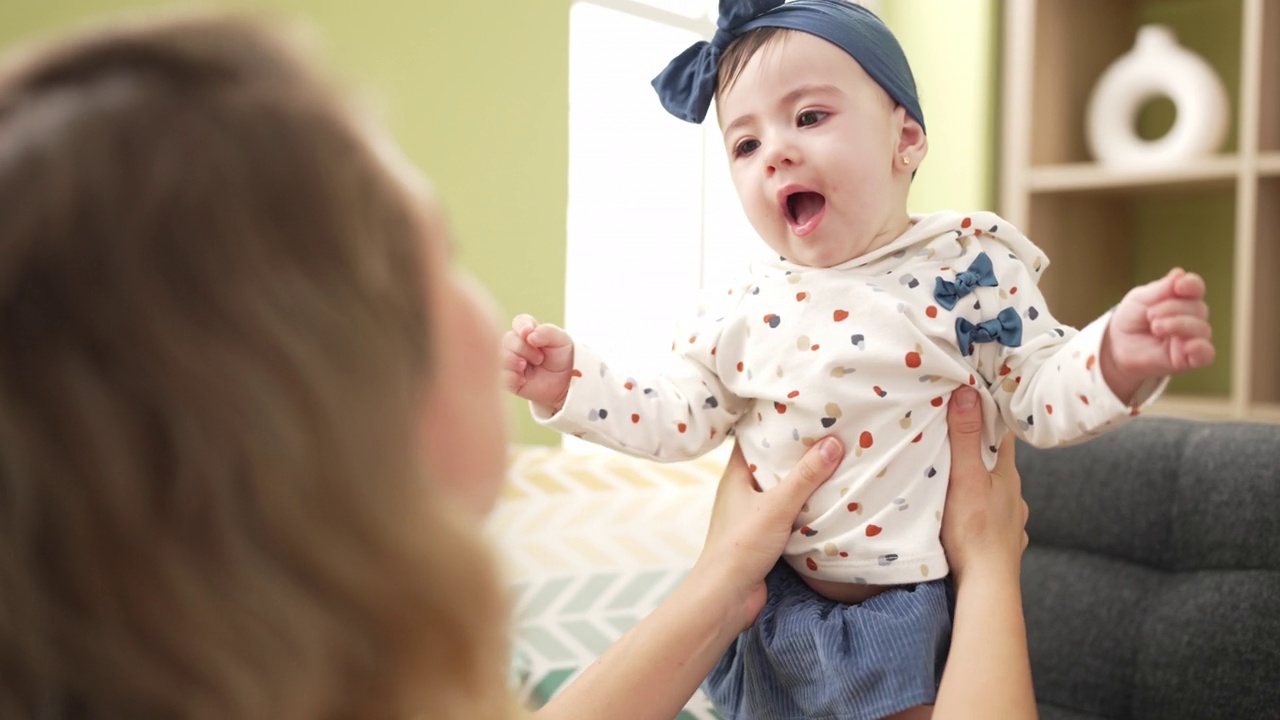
(964, 427)
(814, 468)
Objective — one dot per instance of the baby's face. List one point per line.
(812, 143)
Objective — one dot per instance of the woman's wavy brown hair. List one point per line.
(213, 338)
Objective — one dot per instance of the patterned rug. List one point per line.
(591, 543)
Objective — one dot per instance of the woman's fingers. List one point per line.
(1006, 466)
(985, 518)
(814, 468)
(745, 518)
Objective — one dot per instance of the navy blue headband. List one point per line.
(688, 84)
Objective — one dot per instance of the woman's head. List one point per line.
(221, 312)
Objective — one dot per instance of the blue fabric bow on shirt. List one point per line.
(979, 274)
(688, 84)
(1005, 328)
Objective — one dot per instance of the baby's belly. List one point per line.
(842, 591)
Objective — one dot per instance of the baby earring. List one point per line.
(906, 160)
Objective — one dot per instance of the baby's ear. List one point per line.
(913, 144)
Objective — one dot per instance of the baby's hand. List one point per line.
(1158, 329)
(537, 361)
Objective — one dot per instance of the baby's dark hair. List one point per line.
(735, 57)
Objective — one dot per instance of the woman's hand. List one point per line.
(749, 527)
(984, 525)
(988, 673)
(653, 670)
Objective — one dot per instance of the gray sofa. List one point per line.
(1152, 582)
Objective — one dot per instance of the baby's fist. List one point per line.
(1161, 328)
(537, 361)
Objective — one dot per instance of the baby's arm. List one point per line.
(1049, 383)
(677, 415)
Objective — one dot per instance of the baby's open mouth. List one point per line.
(804, 206)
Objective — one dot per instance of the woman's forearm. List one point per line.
(988, 672)
(653, 670)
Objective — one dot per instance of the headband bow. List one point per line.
(688, 84)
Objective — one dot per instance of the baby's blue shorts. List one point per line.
(808, 657)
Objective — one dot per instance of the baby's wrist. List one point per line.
(557, 403)
(1123, 383)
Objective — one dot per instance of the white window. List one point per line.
(652, 213)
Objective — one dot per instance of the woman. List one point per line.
(250, 421)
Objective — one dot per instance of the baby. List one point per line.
(859, 324)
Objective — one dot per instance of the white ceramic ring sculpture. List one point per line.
(1156, 67)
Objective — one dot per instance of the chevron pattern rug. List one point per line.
(591, 543)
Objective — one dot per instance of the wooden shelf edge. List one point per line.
(1095, 176)
(1265, 412)
(1269, 164)
(1195, 407)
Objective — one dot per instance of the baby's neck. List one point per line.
(891, 232)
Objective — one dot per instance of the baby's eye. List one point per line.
(810, 117)
(746, 147)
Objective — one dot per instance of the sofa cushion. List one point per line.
(591, 542)
(1152, 583)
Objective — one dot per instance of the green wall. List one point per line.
(477, 93)
(952, 48)
(1191, 229)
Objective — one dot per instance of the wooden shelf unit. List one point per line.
(1107, 229)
